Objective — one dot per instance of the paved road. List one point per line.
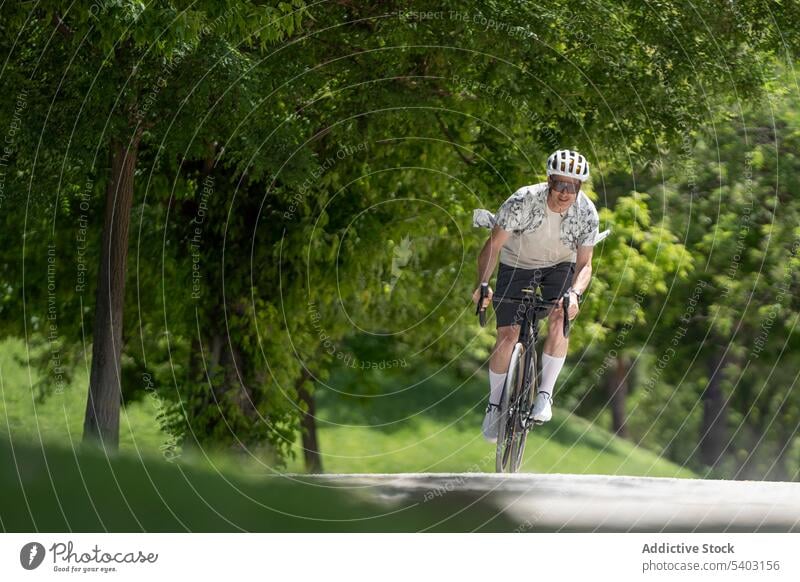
(527, 502)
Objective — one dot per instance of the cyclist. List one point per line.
(544, 235)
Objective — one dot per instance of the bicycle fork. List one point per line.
(527, 396)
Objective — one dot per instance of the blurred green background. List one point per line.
(244, 229)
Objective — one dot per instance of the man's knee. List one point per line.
(555, 318)
(507, 334)
(555, 323)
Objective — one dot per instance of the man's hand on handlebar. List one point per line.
(477, 295)
(573, 306)
(481, 298)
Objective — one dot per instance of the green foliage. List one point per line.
(345, 145)
(732, 203)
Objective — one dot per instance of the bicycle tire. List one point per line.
(521, 432)
(508, 421)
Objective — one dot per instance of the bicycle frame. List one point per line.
(528, 335)
(517, 406)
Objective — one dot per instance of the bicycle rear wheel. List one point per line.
(524, 407)
(509, 423)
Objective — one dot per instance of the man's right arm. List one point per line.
(487, 259)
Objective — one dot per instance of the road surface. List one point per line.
(528, 502)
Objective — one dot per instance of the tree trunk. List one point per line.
(105, 390)
(785, 435)
(713, 438)
(617, 395)
(779, 470)
(308, 426)
(235, 377)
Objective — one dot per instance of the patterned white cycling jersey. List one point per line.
(539, 248)
(526, 216)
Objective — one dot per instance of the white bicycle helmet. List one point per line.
(568, 163)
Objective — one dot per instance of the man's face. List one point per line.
(563, 192)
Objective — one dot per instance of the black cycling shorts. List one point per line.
(554, 281)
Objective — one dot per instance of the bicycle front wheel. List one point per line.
(508, 423)
(524, 406)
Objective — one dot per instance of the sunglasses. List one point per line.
(567, 187)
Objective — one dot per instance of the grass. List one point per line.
(432, 426)
(59, 417)
(435, 427)
(572, 445)
(56, 489)
(54, 483)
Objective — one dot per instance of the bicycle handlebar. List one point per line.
(481, 313)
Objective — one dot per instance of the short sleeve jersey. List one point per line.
(540, 237)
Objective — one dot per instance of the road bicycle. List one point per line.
(516, 404)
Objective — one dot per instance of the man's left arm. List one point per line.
(583, 274)
(583, 269)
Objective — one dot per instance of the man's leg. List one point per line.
(498, 363)
(554, 352)
(498, 366)
(510, 281)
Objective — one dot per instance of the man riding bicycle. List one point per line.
(544, 236)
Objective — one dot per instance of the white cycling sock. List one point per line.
(551, 368)
(496, 382)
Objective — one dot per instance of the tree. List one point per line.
(120, 57)
(453, 112)
(725, 401)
